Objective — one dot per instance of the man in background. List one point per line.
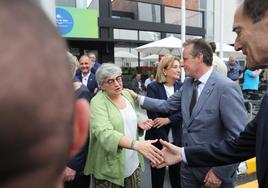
(234, 69)
(136, 84)
(217, 63)
(93, 59)
(87, 77)
(149, 80)
(41, 126)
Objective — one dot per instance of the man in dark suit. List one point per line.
(87, 77)
(73, 173)
(251, 26)
(93, 59)
(40, 129)
(212, 110)
(136, 84)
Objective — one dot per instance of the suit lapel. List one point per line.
(162, 90)
(207, 90)
(186, 99)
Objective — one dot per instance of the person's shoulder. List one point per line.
(221, 79)
(187, 80)
(155, 84)
(92, 75)
(127, 95)
(98, 98)
(84, 93)
(178, 84)
(78, 77)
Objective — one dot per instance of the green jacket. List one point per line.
(106, 161)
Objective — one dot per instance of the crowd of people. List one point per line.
(66, 127)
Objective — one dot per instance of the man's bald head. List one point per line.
(36, 96)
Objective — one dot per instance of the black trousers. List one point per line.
(79, 182)
(158, 176)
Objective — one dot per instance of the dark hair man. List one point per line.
(36, 102)
(213, 109)
(93, 59)
(251, 27)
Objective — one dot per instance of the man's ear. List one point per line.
(200, 57)
(81, 125)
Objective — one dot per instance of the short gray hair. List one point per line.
(106, 70)
(72, 62)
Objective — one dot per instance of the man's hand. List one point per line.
(68, 174)
(159, 122)
(146, 125)
(172, 154)
(211, 180)
(133, 94)
(149, 151)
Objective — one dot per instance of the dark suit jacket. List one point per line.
(95, 67)
(83, 92)
(78, 161)
(91, 83)
(135, 86)
(253, 141)
(218, 114)
(157, 90)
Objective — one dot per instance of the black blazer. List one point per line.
(83, 92)
(157, 90)
(253, 141)
(91, 83)
(95, 67)
(78, 161)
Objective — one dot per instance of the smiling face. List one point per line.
(190, 63)
(85, 65)
(252, 39)
(173, 71)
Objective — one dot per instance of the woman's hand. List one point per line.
(149, 151)
(146, 125)
(159, 122)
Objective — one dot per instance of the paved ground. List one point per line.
(146, 177)
(252, 184)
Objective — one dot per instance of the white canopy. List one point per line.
(153, 57)
(125, 55)
(229, 50)
(168, 45)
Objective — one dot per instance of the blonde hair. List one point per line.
(166, 63)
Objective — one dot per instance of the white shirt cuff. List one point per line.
(183, 156)
(141, 100)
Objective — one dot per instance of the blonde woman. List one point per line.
(166, 126)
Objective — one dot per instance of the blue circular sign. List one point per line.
(64, 21)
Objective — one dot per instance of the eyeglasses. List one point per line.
(111, 82)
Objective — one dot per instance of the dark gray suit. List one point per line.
(218, 114)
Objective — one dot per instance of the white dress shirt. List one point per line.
(85, 79)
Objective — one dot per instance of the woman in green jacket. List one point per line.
(114, 157)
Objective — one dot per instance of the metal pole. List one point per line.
(183, 32)
(183, 13)
(221, 27)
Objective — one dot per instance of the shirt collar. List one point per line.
(86, 75)
(204, 78)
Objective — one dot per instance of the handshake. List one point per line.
(169, 155)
